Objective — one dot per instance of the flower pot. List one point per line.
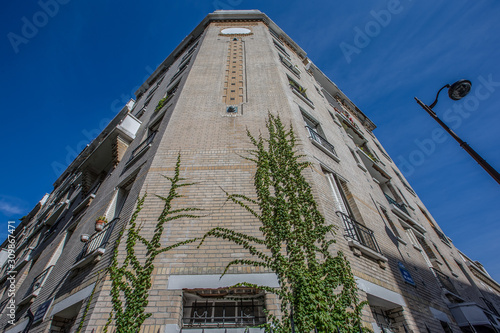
(99, 225)
(84, 238)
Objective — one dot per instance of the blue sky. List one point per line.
(65, 75)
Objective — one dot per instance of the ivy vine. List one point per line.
(131, 280)
(317, 288)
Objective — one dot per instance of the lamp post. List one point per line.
(457, 91)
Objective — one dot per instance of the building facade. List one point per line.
(224, 78)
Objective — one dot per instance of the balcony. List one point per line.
(36, 286)
(95, 247)
(111, 148)
(467, 314)
(401, 211)
(179, 71)
(445, 282)
(402, 207)
(322, 143)
(373, 165)
(346, 118)
(143, 146)
(362, 238)
(295, 71)
(56, 213)
(300, 91)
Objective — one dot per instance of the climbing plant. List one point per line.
(131, 279)
(317, 288)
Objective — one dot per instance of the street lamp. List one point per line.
(457, 91)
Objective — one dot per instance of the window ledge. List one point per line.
(414, 224)
(368, 252)
(445, 243)
(30, 298)
(138, 155)
(305, 100)
(91, 258)
(362, 167)
(326, 151)
(401, 240)
(85, 203)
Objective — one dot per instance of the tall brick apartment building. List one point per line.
(224, 77)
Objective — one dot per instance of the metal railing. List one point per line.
(359, 232)
(179, 71)
(395, 203)
(38, 282)
(224, 314)
(97, 240)
(289, 66)
(300, 90)
(142, 145)
(369, 154)
(321, 140)
(445, 281)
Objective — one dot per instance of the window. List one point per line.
(382, 151)
(391, 224)
(294, 69)
(490, 306)
(274, 34)
(339, 195)
(223, 308)
(404, 182)
(115, 208)
(281, 49)
(442, 257)
(414, 241)
(355, 157)
(438, 232)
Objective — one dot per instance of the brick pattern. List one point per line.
(212, 146)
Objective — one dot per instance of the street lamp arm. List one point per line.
(437, 95)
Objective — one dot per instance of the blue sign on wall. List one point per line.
(405, 274)
(42, 310)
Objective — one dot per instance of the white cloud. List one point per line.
(9, 208)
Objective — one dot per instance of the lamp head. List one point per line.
(459, 89)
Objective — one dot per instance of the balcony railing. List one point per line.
(445, 281)
(142, 146)
(322, 141)
(225, 314)
(300, 90)
(369, 154)
(98, 240)
(179, 72)
(289, 66)
(38, 283)
(395, 203)
(359, 232)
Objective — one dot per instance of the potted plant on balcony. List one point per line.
(161, 103)
(100, 222)
(84, 238)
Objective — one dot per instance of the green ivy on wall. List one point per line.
(131, 280)
(317, 288)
